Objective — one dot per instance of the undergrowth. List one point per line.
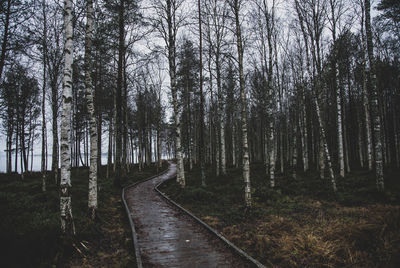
(30, 223)
(301, 223)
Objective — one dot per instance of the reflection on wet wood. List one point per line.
(169, 238)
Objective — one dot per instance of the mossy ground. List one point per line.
(301, 223)
(30, 224)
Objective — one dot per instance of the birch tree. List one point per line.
(378, 151)
(44, 86)
(218, 13)
(336, 12)
(201, 144)
(118, 92)
(236, 6)
(67, 222)
(168, 21)
(366, 106)
(311, 19)
(92, 197)
(269, 17)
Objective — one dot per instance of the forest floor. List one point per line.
(301, 223)
(30, 224)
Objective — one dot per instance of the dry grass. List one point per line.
(330, 240)
(301, 223)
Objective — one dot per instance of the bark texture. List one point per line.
(67, 222)
(378, 148)
(172, 72)
(245, 147)
(92, 196)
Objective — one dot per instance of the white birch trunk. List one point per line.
(234, 144)
(92, 196)
(159, 161)
(359, 139)
(221, 117)
(325, 146)
(339, 126)
(245, 149)
(281, 149)
(378, 149)
(303, 141)
(222, 140)
(44, 130)
(217, 153)
(305, 133)
(271, 153)
(67, 222)
(345, 140)
(365, 96)
(294, 175)
(201, 149)
(396, 140)
(321, 158)
(170, 11)
(110, 151)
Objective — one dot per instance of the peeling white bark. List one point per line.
(67, 222)
(92, 196)
(245, 146)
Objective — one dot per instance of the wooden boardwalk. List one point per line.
(169, 238)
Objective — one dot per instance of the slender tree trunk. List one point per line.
(339, 127)
(396, 138)
(44, 130)
(159, 161)
(221, 117)
(32, 140)
(124, 121)
(9, 144)
(54, 161)
(118, 95)
(234, 161)
(16, 146)
(24, 164)
(110, 150)
(217, 151)
(172, 72)
(359, 139)
(374, 101)
(295, 148)
(22, 152)
(67, 223)
(140, 141)
(271, 153)
(367, 121)
(281, 149)
(345, 139)
(92, 197)
(99, 139)
(189, 131)
(325, 145)
(86, 145)
(303, 140)
(365, 95)
(245, 146)
(305, 132)
(336, 84)
(4, 43)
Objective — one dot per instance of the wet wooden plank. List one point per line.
(169, 238)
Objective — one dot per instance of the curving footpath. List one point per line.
(165, 236)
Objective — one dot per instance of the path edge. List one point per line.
(133, 230)
(209, 228)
